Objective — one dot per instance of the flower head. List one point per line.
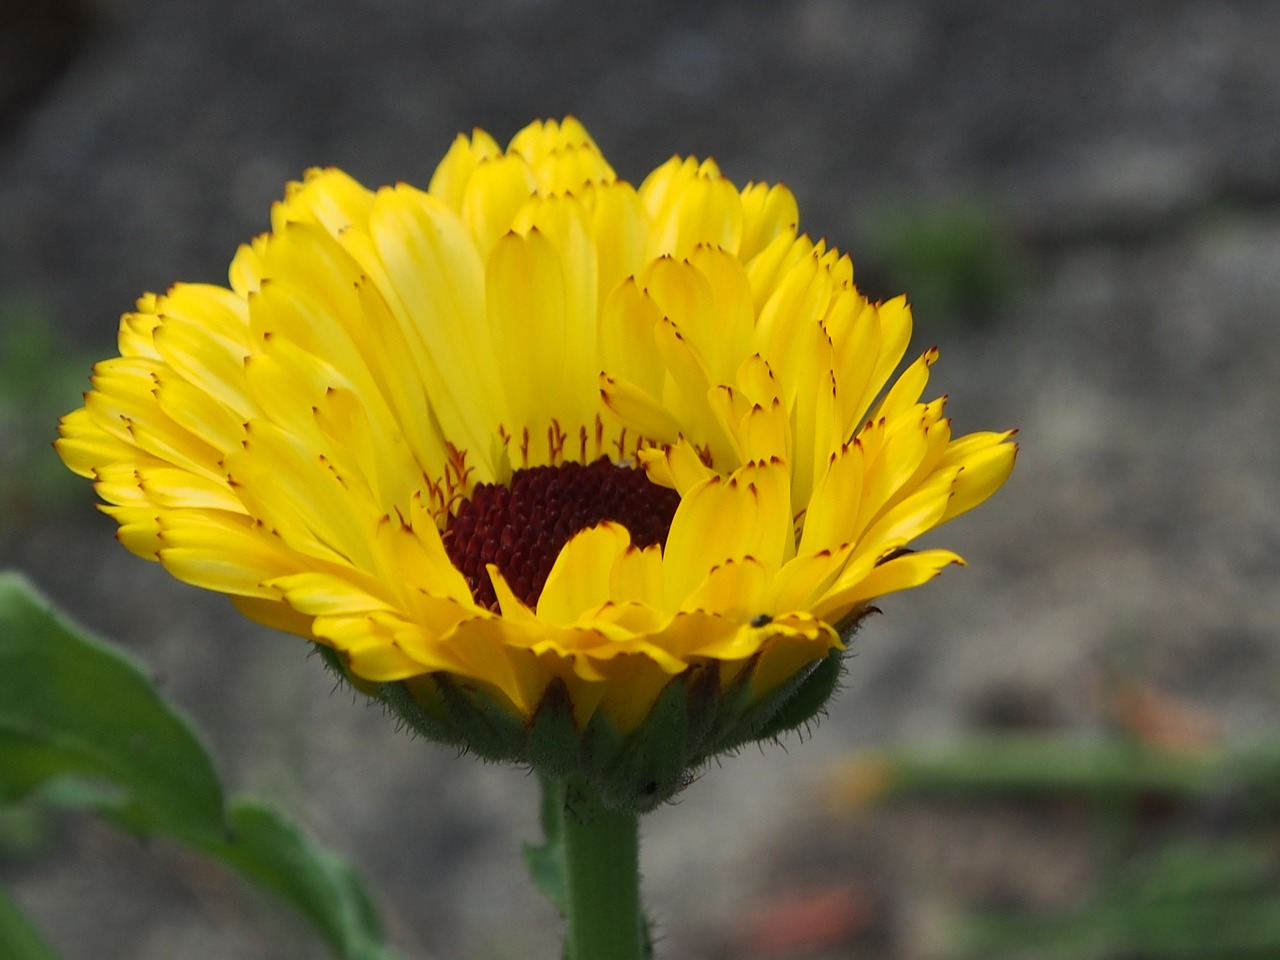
(536, 440)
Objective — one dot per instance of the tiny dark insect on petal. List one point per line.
(761, 620)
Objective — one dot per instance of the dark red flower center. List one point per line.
(522, 527)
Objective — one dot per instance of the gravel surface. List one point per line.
(1130, 154)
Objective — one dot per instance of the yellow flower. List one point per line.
(534, 429)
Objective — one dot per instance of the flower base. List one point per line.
(694, 719)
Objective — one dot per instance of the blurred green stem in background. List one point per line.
(1154, 898)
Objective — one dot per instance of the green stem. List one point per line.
(602, 879)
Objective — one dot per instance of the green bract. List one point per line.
(693, 720)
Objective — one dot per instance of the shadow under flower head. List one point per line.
(534, 429)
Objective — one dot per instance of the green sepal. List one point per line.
(729, 706)
(806, 700)
(692, 720)
(421, 711)
(553, 745)
(602, 745)
(706, 705)
(485, 728)
(337, 664)
(800, 699)
(655, 759)
(423, 719)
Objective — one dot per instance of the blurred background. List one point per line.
(1083, 202)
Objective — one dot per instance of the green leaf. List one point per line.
(545, 863)
(269, 850)
(71, 705)
(81, 727)
(19, 940)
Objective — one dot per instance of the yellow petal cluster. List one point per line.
(299, 439)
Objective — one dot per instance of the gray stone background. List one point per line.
(1127, 157)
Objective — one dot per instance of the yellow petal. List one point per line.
(449, 182)
(908, 388)
(620, 227)
(198, 413)
(562, 155)
(901, 573)
(894, 320)
(638, 411)
(299, 494)
(794, 643)
(438, 280)
(635, 580)
(174, 489)
(628, 348)
(819, 427)
(731, 324)
(497, 189)
(774, 262)
(914, 515)
(563, 220)
(981, 474)
(677, 465)
(806, 577)
(764, 433)
(372, 648)
(746, 515)
(324, 594)
(84, 446)
(701, 209)
(328, 197)
(788, 321)
(137, 330)
(418, 559)
(737, 590)
(832, 513)
(275, 614)
(223, 552)
(525, 269)
(581, 577)
(767, 213)
(209, 360)
(512, 607)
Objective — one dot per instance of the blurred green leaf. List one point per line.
(952, 259)
(1190, 901)
(19, 940)
(71, 705)
(24, 830)
(82, 727)
(269, 850)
